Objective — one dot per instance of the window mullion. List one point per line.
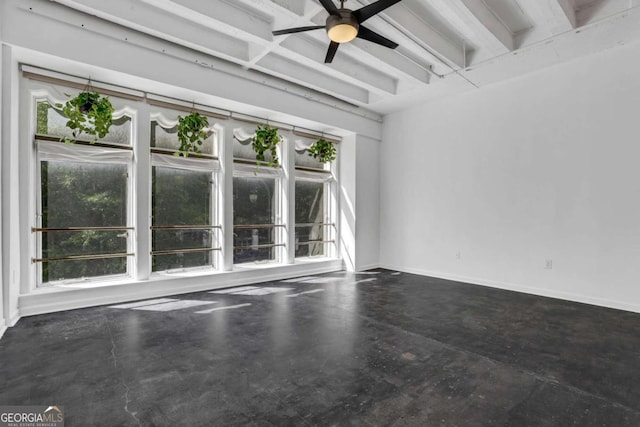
(141, 196)
(289, 186)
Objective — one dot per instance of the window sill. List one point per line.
(88, 294)
(187, 272)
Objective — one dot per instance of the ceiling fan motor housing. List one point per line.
(342, 28)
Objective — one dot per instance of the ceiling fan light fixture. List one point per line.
(342, 28)
(342, 33)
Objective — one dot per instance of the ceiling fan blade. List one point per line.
(296, 30)
(330, 6)
(331, 52)
(367, 34)
(368, 11)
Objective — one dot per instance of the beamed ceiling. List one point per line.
(446, 46)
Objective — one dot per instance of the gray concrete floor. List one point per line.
(340, 349)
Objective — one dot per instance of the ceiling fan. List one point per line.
(344, 25)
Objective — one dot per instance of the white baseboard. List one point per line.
(6, 324)
(13, 318)
(62, 299)
(368, 267)
(544, 292)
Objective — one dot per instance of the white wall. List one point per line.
(359, 202)
(11, 243)
(2, 320)
(367, 202)
(348, 182)
(544, 167)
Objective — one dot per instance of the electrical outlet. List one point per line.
(548, 264)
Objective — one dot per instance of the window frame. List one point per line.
(246, 168)
(139, 107)
(102, 151)
(326, 222)
(326, 176)
(205, 163)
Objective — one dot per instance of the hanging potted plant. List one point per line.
(88, 113)
(191, 133)
(266, 139)
(323, 150)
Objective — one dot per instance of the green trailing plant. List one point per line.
(323, 150)
(266, 139)
(191, 133)
(88, 113)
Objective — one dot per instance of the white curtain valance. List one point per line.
(179, 162)
(247, 170)
(314, 176)
(242, 135)
(302, 145)
(48, 150)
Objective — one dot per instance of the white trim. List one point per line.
(567, 296)
(13, 318)
(55, 299)
(186, 104)
(62, 76)
(3, 328)
(367, 267)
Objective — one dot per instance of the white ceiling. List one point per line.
(446, 46)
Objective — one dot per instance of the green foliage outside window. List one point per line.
(42, 118)
(83, 195)
(181, 197)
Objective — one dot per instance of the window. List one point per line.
(102, 210)
(182, 231)
(50, 122)
(314, 230)
(255, 234)
(184, 227)
(310, 218)
(258, 232)
(83, 201)
(164, 137)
